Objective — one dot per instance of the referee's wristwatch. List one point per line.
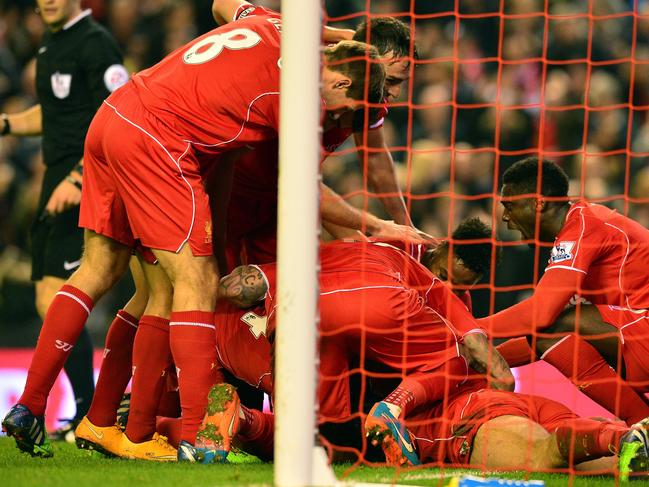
(6, 126)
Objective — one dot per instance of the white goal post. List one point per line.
(297, 245)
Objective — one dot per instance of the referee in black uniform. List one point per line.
(77, 66)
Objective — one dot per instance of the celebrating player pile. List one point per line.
(181, 169)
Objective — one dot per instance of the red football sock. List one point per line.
(583, 439)
(580, 362)
(425, 389)
(193, 344)
(171, 428)
(516, 352)
(256, 433)
(151, 358)
(115, 370)
(170, 401)
(63, 323)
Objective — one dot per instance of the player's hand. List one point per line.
(65, 196)
(389, 230)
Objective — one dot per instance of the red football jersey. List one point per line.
(241, 344)
(256, 172)
(611, 250)
(221, 90)
(376, 259)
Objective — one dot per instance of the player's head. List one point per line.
(56, 13)
(470, 260)
(520, 213)
(392, 39)
(244, 287)
(350, 66)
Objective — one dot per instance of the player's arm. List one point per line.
(334, 209)
(381, 173)
(333, 35)
(473, 341)
(27, 122)
(484, 358)
(517, 352)
(224, 11)
(539, 311)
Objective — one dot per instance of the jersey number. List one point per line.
(211, 46)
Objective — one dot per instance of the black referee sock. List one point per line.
(79, 371)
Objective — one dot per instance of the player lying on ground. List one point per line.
(600, 257)
(158, 198)
(491, 429)
(474, 427)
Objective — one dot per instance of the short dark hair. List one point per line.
(387, 34)
(352, 59)
(523, 176)
(475, 256)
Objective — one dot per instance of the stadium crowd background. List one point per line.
(473, 106)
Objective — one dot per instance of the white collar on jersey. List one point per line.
(73, 21)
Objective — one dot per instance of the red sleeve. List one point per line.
(466, 299)
(452, 309)
(537, 312)
(516, 352)
(578, 243)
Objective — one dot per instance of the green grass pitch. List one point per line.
(71, 467)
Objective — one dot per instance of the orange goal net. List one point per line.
(488, 84)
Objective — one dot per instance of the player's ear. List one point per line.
(541, 205)
(343, 83)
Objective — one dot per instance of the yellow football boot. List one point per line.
(104, 439)
(157, 449)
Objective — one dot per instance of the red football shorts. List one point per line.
(142, 182)
(634, 335)
(446, 434)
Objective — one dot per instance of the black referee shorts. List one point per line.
(57, 241)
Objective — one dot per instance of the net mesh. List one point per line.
(495, 82)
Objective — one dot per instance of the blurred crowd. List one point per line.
(496, 80)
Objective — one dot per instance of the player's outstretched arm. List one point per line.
(382, 175)
(335, 210)
(28, 122)
(553, 291)
(484, 358)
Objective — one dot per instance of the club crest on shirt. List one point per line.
(115, 76)
(256, 323)
(561, 251)
(61, 84)
(208, 232)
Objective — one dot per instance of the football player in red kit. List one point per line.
(379, 304)
(601, 257)
(252, 213)
(143, 183)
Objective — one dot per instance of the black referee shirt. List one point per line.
(76, 69)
